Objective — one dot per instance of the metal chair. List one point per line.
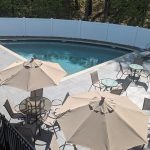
(146, 74)
(36, 94)
(12, 112)
(116, 91)
(49, 120)
(138, 60)
(95, 81)
(29, 131)
(146, 104)
(122, 71)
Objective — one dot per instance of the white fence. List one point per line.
(121, 34)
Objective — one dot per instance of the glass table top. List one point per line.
(109, 82)
(136, 66)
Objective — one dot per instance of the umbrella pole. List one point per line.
(35, 111)
(74, 146)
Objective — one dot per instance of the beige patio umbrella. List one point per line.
(32, 75)
(102, 121)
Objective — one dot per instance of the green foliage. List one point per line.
(130, 12)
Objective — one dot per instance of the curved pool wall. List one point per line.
(76, 29)
(73, 56)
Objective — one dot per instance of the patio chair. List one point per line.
(139, 147)
(146, 57)
(116, 91)
(124, 84)
(68, 144)
(49, 122)
(146, 74)
(36, 94)
(57, 103)
(54, 144)
(138, 60)
(95, 81)
(12, 112)
(29, 131)
(122, 71)
(146, 104)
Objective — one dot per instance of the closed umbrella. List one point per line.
(32, 75)
(102, 121)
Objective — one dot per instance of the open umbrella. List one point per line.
(32, 75)
(102, 121)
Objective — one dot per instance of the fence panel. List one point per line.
(10, 138)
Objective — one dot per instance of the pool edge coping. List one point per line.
(72, 75)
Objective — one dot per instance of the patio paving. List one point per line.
(76, 83)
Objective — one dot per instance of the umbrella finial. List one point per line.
(101, 106)
(32, 59)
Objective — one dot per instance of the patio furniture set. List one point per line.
(34, 110)
(133, 73)
(93, 114)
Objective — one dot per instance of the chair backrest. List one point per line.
(121, 68)
(126, 83)
(8, 108)
(67, 95)
(138, 60)
(116, 91)
(146, 104)
(94, 77)
(36, 94)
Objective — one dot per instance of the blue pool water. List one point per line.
(73, 57)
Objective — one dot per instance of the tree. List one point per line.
(88, 9)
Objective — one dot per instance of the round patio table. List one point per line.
(134, 69)
(109, 83)
(35, 108)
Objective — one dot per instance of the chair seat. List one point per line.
(49, 121)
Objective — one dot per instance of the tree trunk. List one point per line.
(106, 9)
(88, 9)
(12, 8)
(77, 7)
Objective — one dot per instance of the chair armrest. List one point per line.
(57, 101)
(16, 108)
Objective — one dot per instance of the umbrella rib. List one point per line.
(6, 80)
(55, 67)
(78, 126)
(107, 133)
(53, 82)
(28, 80)
(131, 127)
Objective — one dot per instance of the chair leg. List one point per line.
(90, 88)
(64, 146)
(121, 76)
(142, 147)
(117, 74)
(126, 93)
(74, 146)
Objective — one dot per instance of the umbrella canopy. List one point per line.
(102, 121)
(32, 75)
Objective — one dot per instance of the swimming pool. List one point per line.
(73, 57)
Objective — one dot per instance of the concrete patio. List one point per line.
(76, 83)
